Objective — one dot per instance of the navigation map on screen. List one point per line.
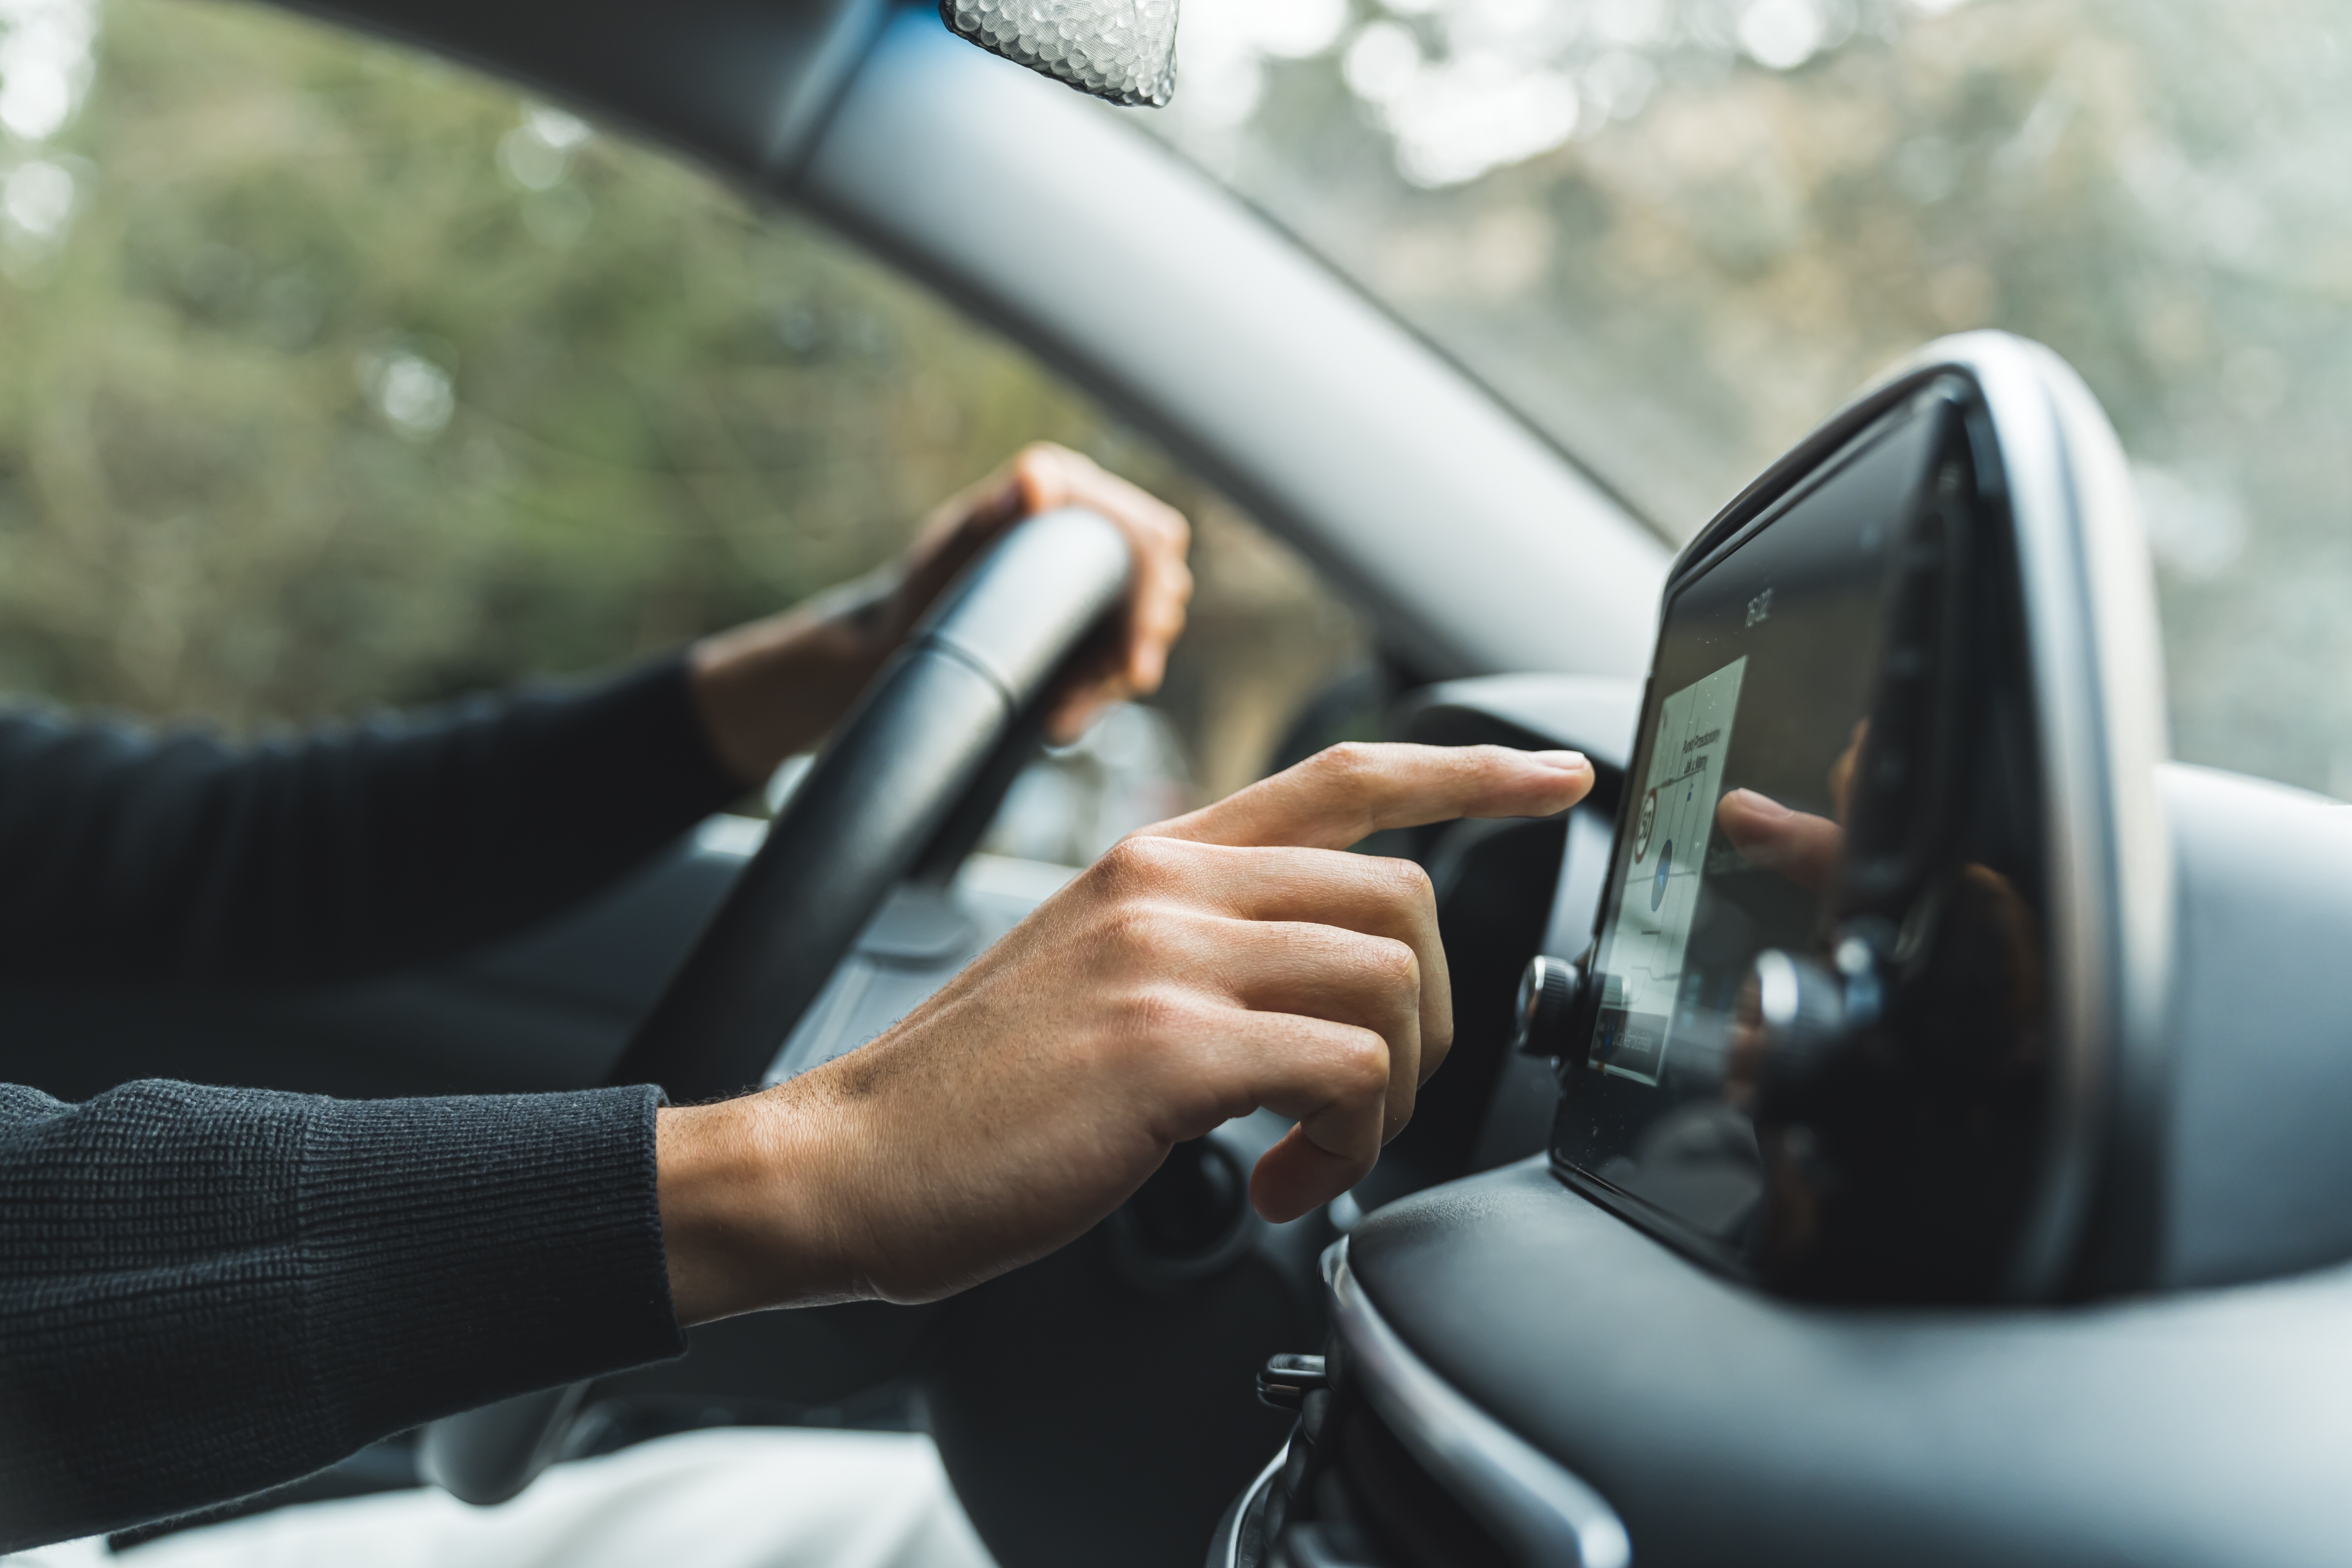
(1642, 963)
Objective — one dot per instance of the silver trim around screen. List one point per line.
(2090, 606)
(1549, 1516)
(2098, 688)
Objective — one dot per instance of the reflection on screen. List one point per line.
(1659, 895)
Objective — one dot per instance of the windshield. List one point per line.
(1677, 233)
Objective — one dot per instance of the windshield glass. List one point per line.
(338, 378)
(1677, 233)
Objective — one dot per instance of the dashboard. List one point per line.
(1954, 1133)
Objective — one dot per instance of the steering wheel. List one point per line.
(941, 723)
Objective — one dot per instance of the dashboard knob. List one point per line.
(1189, 1206)
(1547, 993)
(1286, 1381)
(1801, 1021)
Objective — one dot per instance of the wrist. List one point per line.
(751, 1211)
(771, 689)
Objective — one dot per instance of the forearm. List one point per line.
(204, 1292)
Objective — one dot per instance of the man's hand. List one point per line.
(1044, 477)
(1221, 962)
(772, 687)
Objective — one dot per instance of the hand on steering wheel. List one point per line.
(776, 686)
(1230, 959)
(1042, 477)
(953, 708)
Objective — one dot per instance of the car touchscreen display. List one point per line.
(1767, 664)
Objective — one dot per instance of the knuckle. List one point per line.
(1361, 1067)
(1113, 872)
(1349, 765)
(1133, 932)
(1409, 881)
(1044, 467)
(1144, 862)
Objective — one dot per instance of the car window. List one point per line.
(337, 377)
(1676, 233)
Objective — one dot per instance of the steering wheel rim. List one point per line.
(885, 782)
(918, 741)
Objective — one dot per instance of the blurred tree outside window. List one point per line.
(337, 377)
(1678, 233)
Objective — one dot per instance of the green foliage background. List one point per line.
(671, 410)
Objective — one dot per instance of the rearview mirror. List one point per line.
(1120, 51)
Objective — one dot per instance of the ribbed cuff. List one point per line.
(460, 1250)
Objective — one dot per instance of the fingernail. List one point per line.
(1566, 762)
(1763, 804)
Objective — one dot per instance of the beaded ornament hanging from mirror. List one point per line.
(1122, 50)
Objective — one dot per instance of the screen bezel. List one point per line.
(2048, 452)
(1711, 550)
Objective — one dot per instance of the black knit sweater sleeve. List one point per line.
(138, 857)
(205, 1291)
(209, 1292)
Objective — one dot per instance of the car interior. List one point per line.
(1898, 1117)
